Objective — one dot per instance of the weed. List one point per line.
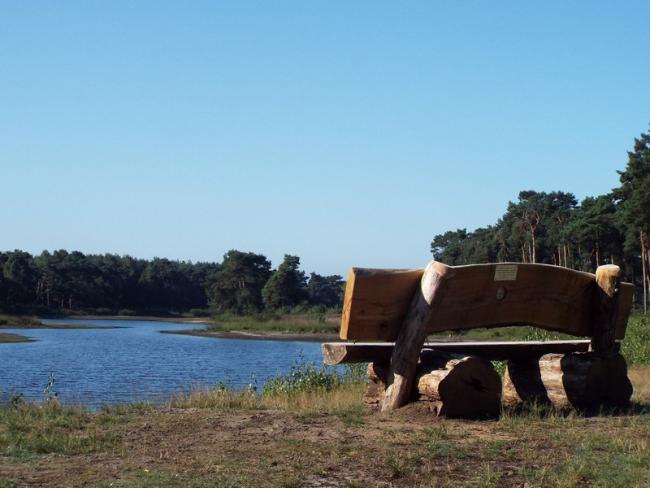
(396, 466)
(146, 478)
(488, 477)
(351, 415)
(306, 377)
(291, 481)
(439, 432)
(49, 395)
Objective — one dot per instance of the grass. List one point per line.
(310, 428)
(305, 389)
(319, 434)
(13, 338)
(635, 347)
(18, 321)
(306, 323)
(30, 322)
(27, 429)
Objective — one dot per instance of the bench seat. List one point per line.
(367, 352)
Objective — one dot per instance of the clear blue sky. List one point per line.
(348, 133)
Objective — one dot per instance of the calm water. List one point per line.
(136, 362)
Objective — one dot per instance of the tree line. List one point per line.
(553, 228)
(243, 283)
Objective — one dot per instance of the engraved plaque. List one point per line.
(505, 272)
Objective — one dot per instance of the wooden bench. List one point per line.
(393, 311)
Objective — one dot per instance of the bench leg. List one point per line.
(406, 353)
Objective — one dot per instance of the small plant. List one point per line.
(537, 334)
(16, 401)
(396, 466)
(251, 388)
(500, 367)
(49, 395)
(303, 377)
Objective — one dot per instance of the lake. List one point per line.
(135, 362)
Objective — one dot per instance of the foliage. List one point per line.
(552, 228)
(107, 284)
(636, 345)
(237, 285)
(306, 377)
(286, 286)
(325, 291)
(27, 429)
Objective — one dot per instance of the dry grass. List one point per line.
(640, 378)
(322, 401)
(286, 323)
(13, 338)
(322, 439)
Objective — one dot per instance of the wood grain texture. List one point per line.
(577, 380)
(364, 352)
(461, 386)
(482, 295)
(408, 345)
(378, 372)
(376, 302)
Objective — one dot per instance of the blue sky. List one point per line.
(348, 133)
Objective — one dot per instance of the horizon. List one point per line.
(348, 135)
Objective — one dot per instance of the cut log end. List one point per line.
(461, 386)
(458, 386)
(607, 278)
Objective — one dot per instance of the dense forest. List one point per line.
(554, 228)
(243, 283)
(539, 227)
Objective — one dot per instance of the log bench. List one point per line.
(387, 315)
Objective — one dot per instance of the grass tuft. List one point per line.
(27, 429)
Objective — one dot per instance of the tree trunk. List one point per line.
(644, 265)
(566, 255)
(457, 385)
(605, 310)
(378, 375)
(407, 349)
(534, 253)
(579, 380)
(460, 386)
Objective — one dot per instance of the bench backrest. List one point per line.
(481, 295)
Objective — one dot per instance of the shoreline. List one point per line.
(14, 338)
(256, 336)
(232, 333)
(142, 318)
(57, 326)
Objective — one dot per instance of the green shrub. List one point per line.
(199, 312)
(127, 312)
(306, 377)
(636, 345)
